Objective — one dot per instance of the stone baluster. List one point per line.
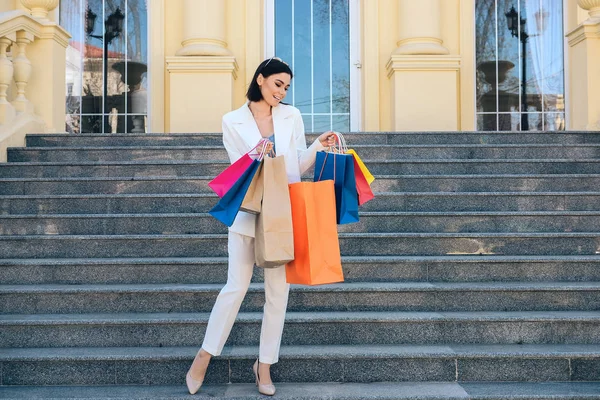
(7, 111)
(23, 69)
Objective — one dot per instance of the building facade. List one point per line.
(360, 65)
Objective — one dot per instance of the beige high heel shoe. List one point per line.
(192, 384)
(268, 390)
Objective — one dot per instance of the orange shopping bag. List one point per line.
(317, 257)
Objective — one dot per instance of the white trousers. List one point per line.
(227, 305)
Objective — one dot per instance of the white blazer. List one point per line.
(241, 134)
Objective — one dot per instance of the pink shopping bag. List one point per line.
(226, 179)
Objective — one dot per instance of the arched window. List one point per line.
(107, 63)
(520, 65)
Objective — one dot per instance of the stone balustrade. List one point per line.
(31, 49)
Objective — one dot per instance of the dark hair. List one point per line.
(267, 68)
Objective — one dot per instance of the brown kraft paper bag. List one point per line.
(274, 239)
(253, 200)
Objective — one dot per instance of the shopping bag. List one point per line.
(274, 236)
(228, 206)
(362, 186)
(226, 179)
(340, 168)
(370, 178)
(316, 246)
(252, 202)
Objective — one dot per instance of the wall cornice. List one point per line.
(589, 29)
(422, 63)
(224, 64)
(19, 20)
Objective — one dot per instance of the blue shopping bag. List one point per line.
(229, 205)
(340, 168)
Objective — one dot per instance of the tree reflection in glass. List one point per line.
(520, 74)
(109, 42)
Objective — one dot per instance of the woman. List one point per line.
(262, 121)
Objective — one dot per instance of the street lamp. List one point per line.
(113, 27)
(516, 26)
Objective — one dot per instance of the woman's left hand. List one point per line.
(327, 139)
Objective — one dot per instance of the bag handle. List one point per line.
(340, 146)
(323, 167)
(263, 152)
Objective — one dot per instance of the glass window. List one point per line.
(107, 63)
(520, 69)
(313, 36)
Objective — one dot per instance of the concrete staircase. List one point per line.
(474, 274)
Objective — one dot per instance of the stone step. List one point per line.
(213, 168)
(356, 269)
(351, 244)
(373, 152)
(383, 183)
(359, 296)
(386, 201)
(399, 363)
(321, 391)
(304, 328)
(353, 138)
(204, 223)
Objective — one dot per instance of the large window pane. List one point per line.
(486, 57)
(72, 22)
(341, 57)
(302, 58)
(314, 35)
(519, 62)
(107, 60)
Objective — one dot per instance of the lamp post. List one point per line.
(516, 26)
(113, 27)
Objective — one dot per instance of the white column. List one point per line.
(419, 27)
(203, 28)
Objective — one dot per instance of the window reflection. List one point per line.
(106, 65)
(520, 72)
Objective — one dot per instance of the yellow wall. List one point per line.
(7, 5)
(244, 30)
